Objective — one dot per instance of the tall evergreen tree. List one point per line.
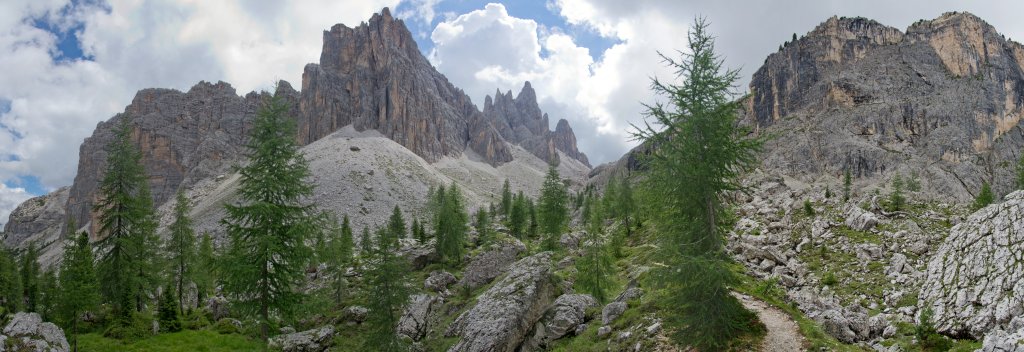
(48, 299)
(506, 198)
(148, 264)
(365, 243)
(531, 211)
(206, 261)
(625, 204)
(11, 293)
(125, 222)
(339, 257)
(483, 226)
(451, 226)
(896, 198)
(388, 275)
(595, 266)
(984, 198)
(846, 184)
(29, 272)
(79, 287)
(553, 215)
(396, 224)
(268, 254)
(169, 315)
(182, 248)
(699, 156)
(611, 196)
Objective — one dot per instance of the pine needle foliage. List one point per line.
(595, 267)
(182, 248)
(984, 198)
(553, 212)
(450, 226)
(79, 287)
(699, 157)
(388, 276)
(268, 254)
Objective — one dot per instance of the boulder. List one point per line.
(418, 254)
(565, 315)
(28, 332)
(438, 281)
(315, 340)
(859, 219)
(354, 314)
(1010, 339)
(505, 313)
(611, 311)
(416, 319)
(974, 280)
(835, 324)
(218, 307)
(488, 265)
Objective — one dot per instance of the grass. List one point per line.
(198, 341)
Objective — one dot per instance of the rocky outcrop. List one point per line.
(184, 137)
(944, 98)
(39, 220)
(28, 332)
(565, 315)
(488, 265)
(314, 340)
(1010, 339)
(418, 316)
(519, 120)
(975, 278)
(505, 313)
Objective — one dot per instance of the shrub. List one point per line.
(829, 279)
(140, 327)
(808, 208)
(196, 320)
(226, 326)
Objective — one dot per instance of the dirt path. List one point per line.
(783, 333)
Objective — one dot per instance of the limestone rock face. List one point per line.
(565, 315)
(39, 220)
(314, 340)
(488, 265)
(184, 137)
(418, 316)
(374, 77)
(28, 332)
(943, 98)
(974, 280)
(519, 120)
(506, 312)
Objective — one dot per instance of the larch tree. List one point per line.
(29, 272)
(846, 184)
(79, 287)
(517, 218)
(625, 204)
(595, 266)
(10, 282)
(339, 256)
(396, 224)
(388, 275)
(206, 260)
(701, 153)
(181, 248)
(984, 197)
(553, 212)
(450, 226)
(506, 198)
(268, 229)
(483, 226)
(48, 295)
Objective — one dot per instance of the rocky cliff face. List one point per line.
(519, 120)
(944, 97)
(39, 220)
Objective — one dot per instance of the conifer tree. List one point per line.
(483, 226)
(365, 244)
(700, 154)
(896, 198)
(396, 225)
(10, 283)
(531, 210)
(340, 246)
(169, 315)
(595, 266)
(451, 226)
(29, 272)
(267, 255)
(984, 198)
(553, 214)
(148, 264)
(611, 196)
(1020, 172)
(415, 229)
(126, 224)
(47, 295)
(506, 198)
(846, 185)
(388, 275)
(517, 217)
(625, 204)
(79, 287)
(206, 262)
(182, 248)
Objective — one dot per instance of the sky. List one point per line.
(69, 64)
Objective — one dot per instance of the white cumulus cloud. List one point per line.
(9, 199)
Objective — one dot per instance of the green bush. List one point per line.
(225, 327)
(196, 320)
(829, 279)
(808, 208)
(140, 327)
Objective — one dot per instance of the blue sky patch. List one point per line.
(31, 185)
(69, 47)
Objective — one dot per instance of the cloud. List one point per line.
(9, 199)
(51, 105)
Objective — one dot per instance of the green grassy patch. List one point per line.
(184, 341)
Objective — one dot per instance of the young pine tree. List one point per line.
(517, 218)
(79, 287)
(483, 226)
(699, 157)
(169, 315)
(10, 283)
(339, 258)
(506, 198)
(896, 198)
(625, 204)
(48, 295)
(595, 266)
(984, 198)
(267, 254)
(611, 196)
(182, 248)
(451, 227)
(531, 210)
(206, 262)
(553, 213)
(1020, 172)
(29, 272)
(388, 275)
(396, 224)
(365, 243)
(415, 229)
